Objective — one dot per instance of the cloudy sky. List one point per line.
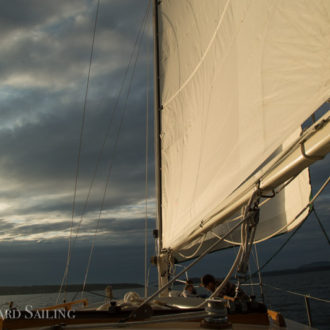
(45, 48)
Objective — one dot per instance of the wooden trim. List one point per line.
(67, 306)
(277, 318)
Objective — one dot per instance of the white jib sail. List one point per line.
(237, 78)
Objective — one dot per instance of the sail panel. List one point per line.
(236, 78)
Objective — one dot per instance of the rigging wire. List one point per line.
(292, 234)
(265, 201)
(240, 217)
(66, 271)
(256, 258)
(278, 250)
(101, 152)
(114, 152)
(250, 278)
(321, 225)
(296, 229)
(308, 205)
(170, 282)
(222, 238)
(281, 157)
(108, 130)
(298, 294)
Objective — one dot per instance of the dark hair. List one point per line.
(206, 279)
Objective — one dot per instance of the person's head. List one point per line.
(208, 282)
(189, 286)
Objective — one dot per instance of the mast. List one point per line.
(157, 130)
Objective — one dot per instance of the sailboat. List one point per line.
(234, 82)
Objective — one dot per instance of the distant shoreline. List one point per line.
(32, 289)
(303, 269)
(313, 267)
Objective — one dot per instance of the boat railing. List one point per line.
(307, 298)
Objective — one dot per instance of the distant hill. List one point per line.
(311, 267)
(13, 290)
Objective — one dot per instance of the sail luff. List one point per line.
(157, 123)
(162, 279)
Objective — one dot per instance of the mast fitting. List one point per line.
(303, 152)
(251, 215)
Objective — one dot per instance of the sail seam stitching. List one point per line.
(202, 58)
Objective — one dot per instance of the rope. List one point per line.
(267, 199)
(231, 271)
(278, 159)
(66, 271)
(244, 248)
(114, 152)
(298, 294)
(295, 218)
(202, 255)
(196, 251)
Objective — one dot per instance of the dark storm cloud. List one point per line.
(21, 14)
(51, 42)
(6, 226)
(40, 158)
(27, 47)
(40, 139)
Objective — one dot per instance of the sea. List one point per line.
(283, 293)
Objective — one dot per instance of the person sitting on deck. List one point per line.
(209, 282)
(189, 290)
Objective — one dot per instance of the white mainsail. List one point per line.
(237, 77)
(279, 214)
